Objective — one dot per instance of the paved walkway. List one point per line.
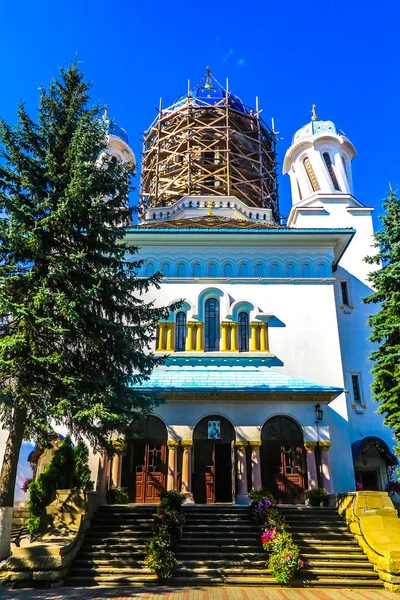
(193, 593)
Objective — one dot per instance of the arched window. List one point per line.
(311, 175)
(196, 270)
(275, 270)
(228, 270)
(259, 270)
(212, 270)
(290, 270)
(331, 170)
(243, 332)
(211, 329)
(180, 331)
(149, 270)
(321, 269)
(181, 270)
(165, 269)
(306, 270)
(243, 270)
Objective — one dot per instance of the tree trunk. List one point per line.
(8, 472)
(8, 476)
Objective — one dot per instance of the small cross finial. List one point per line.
(208, 76)
(313, 113)
(105, 115)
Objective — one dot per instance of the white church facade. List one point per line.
(267, 380)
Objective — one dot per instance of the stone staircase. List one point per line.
(331, 554)
(220, 546)
(113, 551)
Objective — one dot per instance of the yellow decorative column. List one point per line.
(186, 488)
(253, 340)
(170, 337)
(255, 464)
(161, 327)
(189, 340)
(241, 467)
(172, 464)
(199, 337)
(326, 467)
(311, 464)
(234, 347)
(264, 337)
(224, 336)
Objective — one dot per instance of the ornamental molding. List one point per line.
(241, 444)
(324, 446)
(310, 445)
(187, 443)
(173, 444)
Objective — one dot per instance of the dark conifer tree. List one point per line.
(74, 329)
(385, 324)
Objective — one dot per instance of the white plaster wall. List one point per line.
(353, 324)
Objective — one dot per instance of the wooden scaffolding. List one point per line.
(209, 144)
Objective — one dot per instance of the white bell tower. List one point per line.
(319, 165)
(117, 140)
(319, 162)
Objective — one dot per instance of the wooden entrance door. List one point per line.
(213, 476)
(204, 481)
(149, 471)
(283, 472)
(282, 461)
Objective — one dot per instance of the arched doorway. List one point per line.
(374, 463)
(213, 476)
(144, 464)
(282, 459)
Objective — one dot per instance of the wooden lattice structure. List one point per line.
(209, 143)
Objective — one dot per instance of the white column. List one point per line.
(241, 497)
(255, 464)
(326, 467)
(187, 470)
(172, 464)
(311, 464)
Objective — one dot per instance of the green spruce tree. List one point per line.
(385, 324)
(75, 330)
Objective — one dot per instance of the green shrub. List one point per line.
(68, 468)
(315, 496)
(260, 493)
(160, 557)
(168, 525)
(82, 475)
(171, 500)
(284, 563)
(117, 495)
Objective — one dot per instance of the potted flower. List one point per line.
(314, 496)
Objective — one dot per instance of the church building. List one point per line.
(267, 380)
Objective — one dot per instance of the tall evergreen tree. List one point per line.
(74, 329)
(385, 324)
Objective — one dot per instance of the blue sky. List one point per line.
(341, 55)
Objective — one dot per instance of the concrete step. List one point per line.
(205, 549)
(348, 582)
(110, 581)
(231, 556)
(109, 570)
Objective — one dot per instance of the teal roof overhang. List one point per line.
(235, 380)
(336, 238)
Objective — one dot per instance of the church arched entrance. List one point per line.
(282, 459)
(213, 473)
(144, 464)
